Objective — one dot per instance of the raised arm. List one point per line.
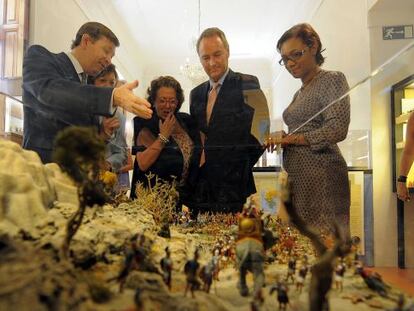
(44, 80)
(154, 145)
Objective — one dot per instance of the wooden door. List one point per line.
(13, 37)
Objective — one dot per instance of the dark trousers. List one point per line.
(210, 196)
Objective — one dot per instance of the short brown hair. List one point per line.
(95, 30)
(212, 32)
(108, 69)
(308, 35)
(165, 81)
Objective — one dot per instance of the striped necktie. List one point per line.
(83, 78)
(212, 96)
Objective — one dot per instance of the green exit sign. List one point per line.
(397, 32)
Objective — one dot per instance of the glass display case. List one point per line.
(402, 104)
(13, 119)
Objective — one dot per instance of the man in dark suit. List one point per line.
(55, 93)
(225, 121)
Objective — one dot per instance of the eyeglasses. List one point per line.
(294, 57)
(171, 101)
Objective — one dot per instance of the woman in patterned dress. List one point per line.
(166, 141)
(315, 166)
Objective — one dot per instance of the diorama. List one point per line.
(67, 242)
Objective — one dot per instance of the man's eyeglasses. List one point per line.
(294, 57)
(171, 101)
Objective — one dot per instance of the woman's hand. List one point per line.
(402, 192)
(167, 127)
(109, 126)
(274, 140)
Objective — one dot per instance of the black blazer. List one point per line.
(54, 98)
(230, 149)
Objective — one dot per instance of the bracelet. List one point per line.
(402, 178)
(163, 139)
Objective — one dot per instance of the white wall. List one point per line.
(54, 24)
(50, 27)
(385, 214)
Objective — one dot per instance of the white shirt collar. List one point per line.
(221, 80)
(75, 62)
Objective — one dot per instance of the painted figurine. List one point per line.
(216, 264)
(190, 269)
(300, 280)
(250, 252)
(339, 275)
(291, 269)
(134, 259)
(207, 275)
(166, 267)
(252, 241)
(374, 281)
(282, 294)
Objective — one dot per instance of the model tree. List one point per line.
(322, 270)
(80, 153)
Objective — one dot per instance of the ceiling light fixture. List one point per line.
(193, 70)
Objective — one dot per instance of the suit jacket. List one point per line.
(54, 98)
(231, 150)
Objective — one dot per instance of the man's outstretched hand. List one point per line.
(125, 98)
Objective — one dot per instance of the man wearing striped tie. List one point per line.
(225, 121)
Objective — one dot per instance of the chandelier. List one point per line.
(192, 70)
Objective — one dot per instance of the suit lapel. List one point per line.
(68, 68)
(223, 98)
(70, 73)
(203, 105)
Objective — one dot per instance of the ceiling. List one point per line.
(166, 28)
(164, 32)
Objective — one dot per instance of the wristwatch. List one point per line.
(402, 178)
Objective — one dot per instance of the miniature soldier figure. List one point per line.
(190, 270)
(133, 259)
(339, 275)
(300, 280)
(216, 264)
(282, 294)
(291, 269)
(252, 241)
(374, 281)
(250, 251)
(207, 274)
(139, 305)
(166, 267)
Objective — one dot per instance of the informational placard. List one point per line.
(266, 191)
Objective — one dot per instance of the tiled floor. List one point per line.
(400, 278)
